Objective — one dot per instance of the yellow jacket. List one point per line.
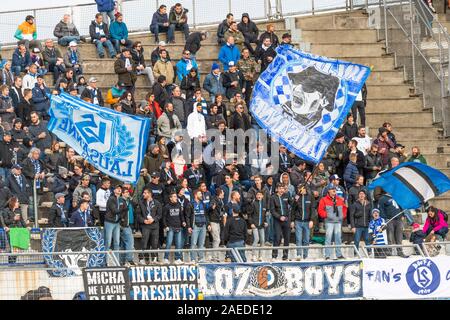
(26, 29)
(165, 69)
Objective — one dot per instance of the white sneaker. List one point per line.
(166, 261)
(155, 260)
(142, 262)
(254, 258)
(193, 261)
(178, 261)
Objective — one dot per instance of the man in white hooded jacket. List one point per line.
(196, 124)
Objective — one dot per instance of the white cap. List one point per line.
(73, 44)
(92, 79)
(231, 63)
(162, 43)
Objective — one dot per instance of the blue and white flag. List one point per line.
(114, 142)
(302, 99)
(411, 183)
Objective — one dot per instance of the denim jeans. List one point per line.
(198, 241)
(172, 235)
(258, 237)
(117, 43)
(361, 233)
(157, 29)
(4, 173)
(126, 243)
(112, 236)
(101, 51)
(302, 237)
(269, 229)
(42, 71)
(237, 244)
(171, 32)
(106, 15)
(64, 41)
(17, 70)
(333, 229)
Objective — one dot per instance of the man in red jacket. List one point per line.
(332, 208)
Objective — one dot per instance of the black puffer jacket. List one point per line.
(249, 29)
(360, 214)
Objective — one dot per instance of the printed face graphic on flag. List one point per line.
(312, 93)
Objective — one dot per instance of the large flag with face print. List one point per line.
(302, 99)
(114, 142)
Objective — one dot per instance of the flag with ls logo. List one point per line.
(114, 142)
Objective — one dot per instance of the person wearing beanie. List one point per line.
(193, 42)
(153, 159)
(213, 82)
(417, 236)
(119, 33)
(377, 232)
(336, 152)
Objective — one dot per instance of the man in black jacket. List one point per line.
(280, 208)
(265, 54)
(240, 120)
(149, 213)
(223, 27)
(360, 218)
(7, 150)
(15, 92)
(233, 81)
(195, 175)
(58, 217)
(20, 188)
(257, 221)
(93, 93)
(249, 30)
(235, 233)
(215, 214)
(98, 30)
(159, 90)
(173, 221)
(302, 219)
(193, 42)
(116, 212)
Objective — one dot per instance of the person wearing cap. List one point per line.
(213, 82)
(385, 144)
(36, 59)
(280, 208)
(336, 152)
(286, 40)
(160, 23)
(66, 31)
(156, 53)
(73, 90)
(156, 187)
(119, 33)
(58, 217)
(149, 214)
(25, 107)
(30, 79)
(229, 53)
(20, 188)
(233, 81)
(265, 53)
(270, 33)
(93, 92)
(26, 33)
(7, 150)
(124, 69)
(53, 59)
(72, 59)
(194, 42)
(116, 214)
(100, 37)
(359, 213)
(377, 231)
(185, 65)
(7, 114)
(335, 182)
(137, 55)
(333, 210)
(250, 32)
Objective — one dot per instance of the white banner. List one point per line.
(406, 278)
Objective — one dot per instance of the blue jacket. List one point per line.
(229, 53)
(388, 207)
(80, 220)
(159, 19)
(213, 84)
(40, 98)
(351, 171)
(118, 30)
(105, 5)
(181, 68)
(18, 60)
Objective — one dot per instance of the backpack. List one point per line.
(444, 214)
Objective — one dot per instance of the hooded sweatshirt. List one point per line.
(291, 188)
(196, 124)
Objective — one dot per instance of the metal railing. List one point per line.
(138, 13)
(395, 250)
(420, 44)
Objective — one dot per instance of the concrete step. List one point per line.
(350, 20)
(386, 78)
(410, 119)
(388, 91)
(395, 105)
(337, 50)
(405, 132)
(438, 160)
(344, 36)
(384, 63)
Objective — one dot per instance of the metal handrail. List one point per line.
(391, 246)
